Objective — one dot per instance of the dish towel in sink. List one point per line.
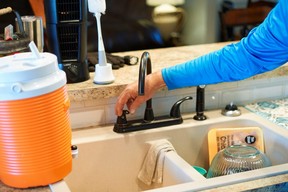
(152, 168)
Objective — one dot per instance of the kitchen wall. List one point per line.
(202, 20)
(101, 112)
(201, 24)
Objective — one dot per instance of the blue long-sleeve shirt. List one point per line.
(264, 49)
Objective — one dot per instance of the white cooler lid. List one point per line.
(26, 75)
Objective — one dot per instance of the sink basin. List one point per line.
(109, 161)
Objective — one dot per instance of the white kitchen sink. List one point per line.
(110, 161)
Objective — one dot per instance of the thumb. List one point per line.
(133, 105)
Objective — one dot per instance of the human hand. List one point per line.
(130, 97)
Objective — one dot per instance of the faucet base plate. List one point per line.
(137, 125)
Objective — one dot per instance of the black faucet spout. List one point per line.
(145, 69)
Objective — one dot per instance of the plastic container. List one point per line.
(200, 170)
(35, 133)
(236, 159)
(220, 138)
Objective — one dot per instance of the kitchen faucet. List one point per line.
(122, 125)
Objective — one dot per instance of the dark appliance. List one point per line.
(66, 28)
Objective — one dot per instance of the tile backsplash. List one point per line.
(101, 112)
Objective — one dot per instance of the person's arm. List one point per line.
(264, 49)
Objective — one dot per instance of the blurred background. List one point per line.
(144, 24)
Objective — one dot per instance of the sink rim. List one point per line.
(214, 116)
(218, 181)
(106, 132)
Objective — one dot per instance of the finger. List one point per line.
(133, 106)
(128, 104)
(129, 94)
(119, 108)
(122, 100)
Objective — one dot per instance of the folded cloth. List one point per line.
(152, 168)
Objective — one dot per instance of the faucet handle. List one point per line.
(122, 119)
(175, 110)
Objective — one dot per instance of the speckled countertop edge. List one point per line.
(5, 188)
(277, 183)
(160, 58)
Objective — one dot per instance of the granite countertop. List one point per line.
(160, 58)
(275, 111)
(5, 188)
(271, 184)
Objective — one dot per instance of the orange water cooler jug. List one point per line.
(35, 132)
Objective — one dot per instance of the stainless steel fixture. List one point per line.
(231, 110)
